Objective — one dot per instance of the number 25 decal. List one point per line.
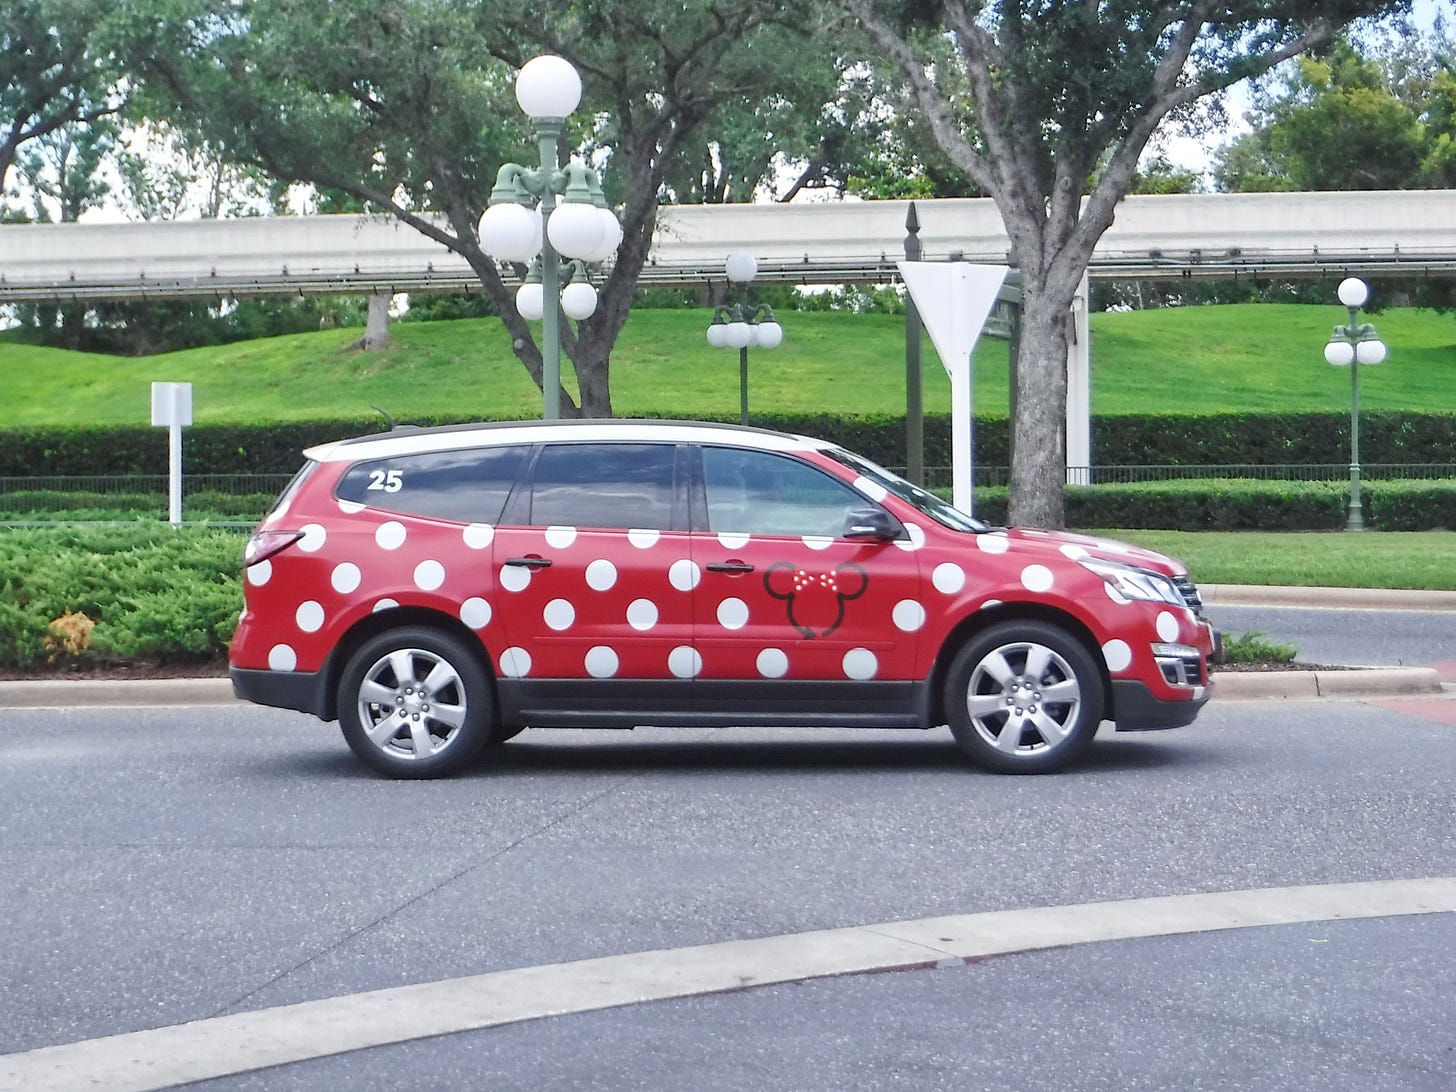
(388, 481)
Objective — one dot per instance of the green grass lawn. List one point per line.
(1335, 559)
(1265, 357)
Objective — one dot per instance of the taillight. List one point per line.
(264, 544)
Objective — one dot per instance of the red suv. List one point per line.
(439, 590)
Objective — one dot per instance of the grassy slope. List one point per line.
(1193, 360)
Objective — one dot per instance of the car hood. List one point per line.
(1073, 545)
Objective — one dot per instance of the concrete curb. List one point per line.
(1256, 595)
(90, 693)
(1354, 683)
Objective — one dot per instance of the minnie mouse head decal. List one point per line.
(815, 600)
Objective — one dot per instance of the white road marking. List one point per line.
(227, 1045)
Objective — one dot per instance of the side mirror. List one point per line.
(873, 523)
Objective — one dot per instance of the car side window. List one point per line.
(469, 486)
(761, 493)
(621, 486)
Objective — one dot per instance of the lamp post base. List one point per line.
(1354, 514)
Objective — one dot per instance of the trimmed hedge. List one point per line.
(1412, 505)
(1216, 504)
(1116, 441)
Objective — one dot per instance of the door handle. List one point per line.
(528, 562)
(730, 567)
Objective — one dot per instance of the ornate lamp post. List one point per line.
(524, 220)
(1349, 347)
(739, 325)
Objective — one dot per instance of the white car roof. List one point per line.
(409, 441)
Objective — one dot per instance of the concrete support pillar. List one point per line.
(1079, 390)
(376, 331)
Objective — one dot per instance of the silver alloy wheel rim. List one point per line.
(1023, 699)
(412, 704)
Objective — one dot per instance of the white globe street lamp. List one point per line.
(738, 326)
(1349, 347)
(531, 301)
(548, 87)
(579, 300)
(524, 220)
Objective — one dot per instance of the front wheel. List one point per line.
(415, 702)
(1024, 697)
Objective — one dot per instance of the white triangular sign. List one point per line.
(954, 300)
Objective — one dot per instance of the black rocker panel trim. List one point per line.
(624, 703)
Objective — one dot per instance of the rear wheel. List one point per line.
(1024, 697)
(415, 702)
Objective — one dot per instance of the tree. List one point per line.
(1062, 99)
(406, 106)
(1355, 117)
(1364, 114)
(62, 170)
(175, 176)
(56, 73)
(1337, 125)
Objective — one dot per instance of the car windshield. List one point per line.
(924, 500)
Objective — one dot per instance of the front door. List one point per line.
(787, 602)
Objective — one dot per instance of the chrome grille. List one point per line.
(1189, 591)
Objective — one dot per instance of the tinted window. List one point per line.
(604, 485)
(922, 499)
(470, 485)
(766, 494)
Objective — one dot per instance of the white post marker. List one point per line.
(954, 300)
(172, 409)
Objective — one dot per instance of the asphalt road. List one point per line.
(1382, 638)
(166, 865)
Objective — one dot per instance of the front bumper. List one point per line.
(1136, 709)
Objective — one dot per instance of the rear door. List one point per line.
(595, 577)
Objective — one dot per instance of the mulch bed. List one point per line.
(1281, 665)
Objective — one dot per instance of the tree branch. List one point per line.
(926, 93)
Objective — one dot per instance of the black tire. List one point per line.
(1024, 697)
(416, 702)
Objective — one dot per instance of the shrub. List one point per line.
(1254, 647)
(150, 590)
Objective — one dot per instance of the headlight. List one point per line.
(1133, 583)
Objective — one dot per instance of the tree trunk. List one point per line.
(376, 332)
(1039, 451)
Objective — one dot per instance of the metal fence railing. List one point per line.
(1283, 472)
(939, 477)
(214, 498)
